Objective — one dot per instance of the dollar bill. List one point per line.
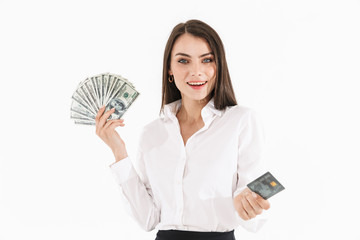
(111, 90)
(83, 92)
(79, 109)
(82, 104)
(121, 102)
(84, 122)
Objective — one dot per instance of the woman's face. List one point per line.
(192, 62)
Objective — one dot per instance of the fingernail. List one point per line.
(254, 195)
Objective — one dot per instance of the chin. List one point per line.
(197, 97)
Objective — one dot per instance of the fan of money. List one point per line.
(111, 90)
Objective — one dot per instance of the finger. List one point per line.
(105, 116)
(97, 118)
(99, 113)
(264, 204)
(251, 197)
(248, 208)
(115, 125)
(242, 213)
(109, 122)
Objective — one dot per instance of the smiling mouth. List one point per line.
(196, 83)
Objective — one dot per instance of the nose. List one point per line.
(196, 69)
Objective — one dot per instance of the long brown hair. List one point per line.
(223, 92)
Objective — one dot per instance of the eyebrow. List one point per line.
(187, 55)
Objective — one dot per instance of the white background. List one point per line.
(295, 62)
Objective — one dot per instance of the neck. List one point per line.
(190, 110)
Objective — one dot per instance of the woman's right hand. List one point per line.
(249, 204)
(106, 131)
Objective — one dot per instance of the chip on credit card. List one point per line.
(266, 186)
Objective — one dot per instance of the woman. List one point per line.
(194, 161)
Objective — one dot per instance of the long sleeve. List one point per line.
(136, 191)
(250, 162)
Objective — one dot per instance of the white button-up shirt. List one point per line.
(191, 187)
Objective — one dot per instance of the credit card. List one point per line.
(266, 186)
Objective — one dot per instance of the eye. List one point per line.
(182, 60)
(207, 60)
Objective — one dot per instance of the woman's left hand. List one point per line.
(249, 204)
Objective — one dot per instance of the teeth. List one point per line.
(197, 84)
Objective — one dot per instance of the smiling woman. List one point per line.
(194, 53)
(195, 160)
(190, 66)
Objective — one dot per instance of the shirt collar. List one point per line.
(209, 110)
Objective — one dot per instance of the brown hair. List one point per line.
(223, 92)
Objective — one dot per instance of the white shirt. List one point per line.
(191, 187)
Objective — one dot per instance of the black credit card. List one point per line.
(266, 186)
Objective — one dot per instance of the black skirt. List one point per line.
(191, 235)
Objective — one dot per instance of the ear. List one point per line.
(170, 72)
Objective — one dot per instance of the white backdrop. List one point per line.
(295, 62)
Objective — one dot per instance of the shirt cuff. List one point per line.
(121, 170)
(255, 224)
